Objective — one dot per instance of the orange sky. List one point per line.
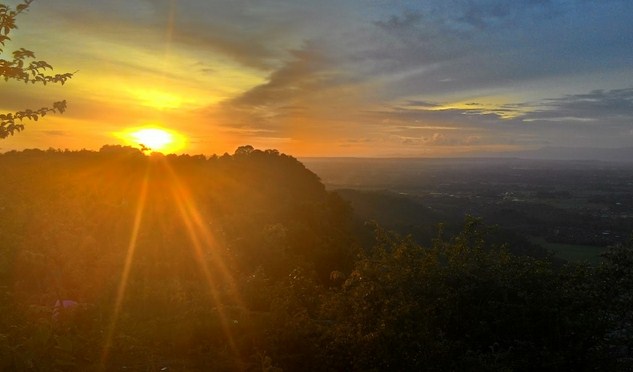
(330, 78)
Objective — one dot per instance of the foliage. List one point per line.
(221, 239)
(465, 305)
(246, 262)
(23, 66)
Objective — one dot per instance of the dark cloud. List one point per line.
(284, 93)
(598, 105)
(463, 119)
(304, 73)
(421, 104)
(489, 14)
(467, 45)
(56, 132)
(306, 88)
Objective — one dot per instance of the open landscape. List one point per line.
(572, 208)
(281, 185)
(124, 261)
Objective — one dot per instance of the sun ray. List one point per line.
(129, 258)
(215, 272)
(202, 239)
(184, 198)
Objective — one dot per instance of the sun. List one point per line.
(153, 139)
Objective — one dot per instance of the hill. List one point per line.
(115, 260)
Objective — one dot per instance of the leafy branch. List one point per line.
(8, 124)
(24, 67)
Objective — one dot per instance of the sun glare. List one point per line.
(158, 99)
(153, 139)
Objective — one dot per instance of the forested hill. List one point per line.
(245, 262)
(197, 234)
(263, 206)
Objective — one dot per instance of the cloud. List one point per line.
(600, 106)
(465, 45)
(304, 73)
(596, 118)
(612, 106)
(433, 73)
(421, 104)
(437, 139)
(207, 27)
(56, 132)
(429, 47)
(307, 93)
(440, 139)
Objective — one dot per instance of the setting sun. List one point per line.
(153, 139)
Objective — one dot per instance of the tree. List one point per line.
(24, 67)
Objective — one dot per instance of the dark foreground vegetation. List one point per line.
(246, 262)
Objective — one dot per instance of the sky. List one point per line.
(355, 78)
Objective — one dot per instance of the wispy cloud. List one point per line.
(612, 106)
(56, 132)
(363, 75)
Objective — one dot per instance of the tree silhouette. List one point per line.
(24, 67)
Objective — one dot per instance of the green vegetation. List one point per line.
(245, 262)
